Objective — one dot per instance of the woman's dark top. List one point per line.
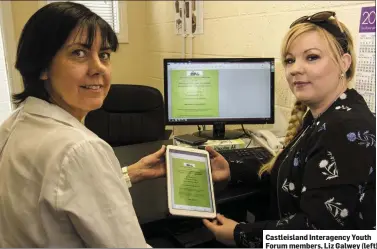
(325, 177)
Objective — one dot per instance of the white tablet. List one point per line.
(189, 182)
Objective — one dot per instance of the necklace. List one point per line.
(282, 162)
(338, 96)
(292, 145)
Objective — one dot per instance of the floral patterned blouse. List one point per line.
(325, 177)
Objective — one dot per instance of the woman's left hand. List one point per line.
(149, 167)
(222, 228)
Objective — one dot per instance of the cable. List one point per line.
(263, 143)
(244, 131)
(248, 135)
(247, 146)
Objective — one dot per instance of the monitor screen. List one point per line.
(219, 91)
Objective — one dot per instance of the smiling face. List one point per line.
(312, 74)
(79, 76)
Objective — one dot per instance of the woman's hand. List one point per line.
(149, 167)
(219, 166)
(222, 228)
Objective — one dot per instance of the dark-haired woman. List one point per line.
(61, 185)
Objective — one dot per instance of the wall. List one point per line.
(238, 29)
(7, 53)
(128, 62)
(231, 29)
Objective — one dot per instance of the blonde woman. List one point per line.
(325, 176)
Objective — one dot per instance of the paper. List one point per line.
(221, 144)
(188, 17)
(366, 62)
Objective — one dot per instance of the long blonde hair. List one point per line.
(336, 51)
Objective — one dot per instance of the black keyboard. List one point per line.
(246, 154)
(245, 164)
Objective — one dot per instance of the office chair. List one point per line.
(130, 114)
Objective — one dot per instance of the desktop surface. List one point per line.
(150, 202)
(150, 196)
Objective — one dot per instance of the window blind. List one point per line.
(5, 100)
(108, 10)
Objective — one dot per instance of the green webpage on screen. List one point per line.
(215, 91)
(190, 181)
(195, 93)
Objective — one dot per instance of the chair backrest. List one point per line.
(130, 114)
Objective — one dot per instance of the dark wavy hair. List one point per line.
(45, 33)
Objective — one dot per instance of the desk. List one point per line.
(150, 197)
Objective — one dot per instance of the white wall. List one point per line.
(238, 29)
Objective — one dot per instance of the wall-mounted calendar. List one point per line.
(366, 62)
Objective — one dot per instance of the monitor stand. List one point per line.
(219, 133)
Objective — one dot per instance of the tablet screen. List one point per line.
(190, 181)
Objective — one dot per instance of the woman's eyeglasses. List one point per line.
(317, 17)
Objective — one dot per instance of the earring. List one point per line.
(342, 75)
(44, 76)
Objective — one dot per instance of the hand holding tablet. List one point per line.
(189, 181)
(222, 228)
(219, 166)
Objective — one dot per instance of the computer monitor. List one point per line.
(219, 91)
